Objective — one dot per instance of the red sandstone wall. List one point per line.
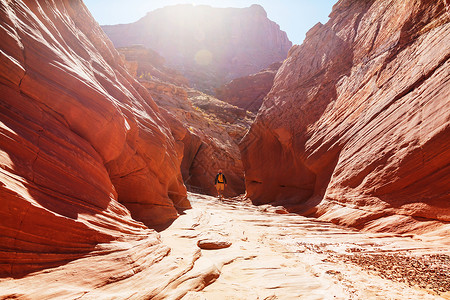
(356, 128)
(81, 143)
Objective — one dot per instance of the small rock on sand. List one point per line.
(211, 244)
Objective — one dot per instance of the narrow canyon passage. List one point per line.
(107, 134)
(286, 256)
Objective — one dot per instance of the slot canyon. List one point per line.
(336, 153)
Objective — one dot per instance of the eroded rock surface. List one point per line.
(236, 121)
(207, 146)
(356, 127)
(288, 256)
(249, 91)
(211, 46)
(82, 144)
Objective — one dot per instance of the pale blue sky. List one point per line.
(295, 17)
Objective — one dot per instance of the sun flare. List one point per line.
(203, 57)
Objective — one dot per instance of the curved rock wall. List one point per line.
(82, 144)
(356, 127)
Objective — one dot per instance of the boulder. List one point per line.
(213, 244)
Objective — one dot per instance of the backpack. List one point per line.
(220, 178)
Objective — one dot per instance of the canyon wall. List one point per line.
(206, 141)
(356, 129)
(210, 46)
(85, 154)
(249, 91)
(206, 130)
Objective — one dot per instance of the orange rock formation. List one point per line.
(355, 131)
(82, 145)
(206, 144)
(356, 127)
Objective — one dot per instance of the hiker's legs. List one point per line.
(220, 188)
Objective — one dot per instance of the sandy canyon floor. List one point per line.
(286, 256)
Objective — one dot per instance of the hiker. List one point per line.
(220, 182)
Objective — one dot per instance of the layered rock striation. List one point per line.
(356, 127)
(210, 46)
(249, 91)
(85, 153)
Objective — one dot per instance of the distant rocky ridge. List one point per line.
(249, 91)
(209, 46)
(356, 127)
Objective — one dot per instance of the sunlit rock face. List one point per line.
(210, 46)
(356, 127)
(82, 145)
(249, 91)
